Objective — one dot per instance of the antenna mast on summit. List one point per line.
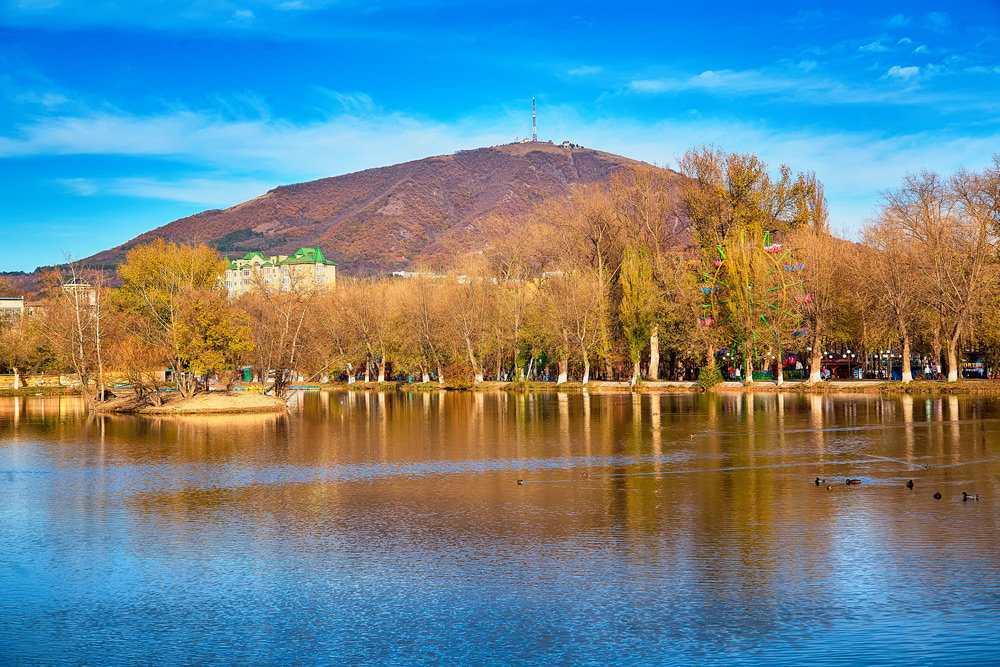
(534, 123)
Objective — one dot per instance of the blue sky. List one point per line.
(119, 116)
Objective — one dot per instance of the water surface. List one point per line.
(371, 527)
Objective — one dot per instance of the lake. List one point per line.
(390, 528)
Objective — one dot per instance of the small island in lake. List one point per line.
(213, 402)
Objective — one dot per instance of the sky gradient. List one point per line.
(121, 116)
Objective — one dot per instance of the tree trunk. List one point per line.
(907, 371)
(586, 365)
(381, 371)
(936, 346)
(477, 373)
(953, 357)
(654, 352)
(747, 369)
(815, 362)
(17, 380)
(564, 360)
(635, 372)
(563, 369)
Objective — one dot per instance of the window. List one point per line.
(285, 280)
(246, 272)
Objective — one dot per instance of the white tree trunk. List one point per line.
(654, 352)
(17, 380)
(952, 361)
(815, 364)
(907, 371)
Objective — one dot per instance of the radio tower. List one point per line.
(534, 123)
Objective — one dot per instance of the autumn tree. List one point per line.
(160, 281)
(645, 204)
(638, 304)
(571, 302)
(22, 349)
(214, 338)
(951, 225)
(891, 279)
(470, 298)
(422, 323)
(276, 317)
(732, 200)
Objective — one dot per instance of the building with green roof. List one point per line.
(306, 268)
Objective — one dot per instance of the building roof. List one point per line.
(307, 256)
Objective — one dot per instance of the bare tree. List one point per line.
(73, 323)
(952, 228)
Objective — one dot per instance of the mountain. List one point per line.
(390, 217)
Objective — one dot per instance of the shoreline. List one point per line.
(241, 401)
(601, 386)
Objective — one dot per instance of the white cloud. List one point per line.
(921, 49)
(874, 47)
(905, 40)
(585, 70)
(904, 73)
(898, 20)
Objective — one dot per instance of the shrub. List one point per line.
(708, 377)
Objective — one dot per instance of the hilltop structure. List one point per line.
(307, 267)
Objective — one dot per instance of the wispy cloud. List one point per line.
(799, 84)
(210, 192)
(905, 73)
(336, 144)
(874, 47)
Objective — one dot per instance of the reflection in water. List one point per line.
(387, 527)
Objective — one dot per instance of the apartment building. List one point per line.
(307, 267)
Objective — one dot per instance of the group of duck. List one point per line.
(966, 496)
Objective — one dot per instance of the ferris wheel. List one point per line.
(767, 283)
